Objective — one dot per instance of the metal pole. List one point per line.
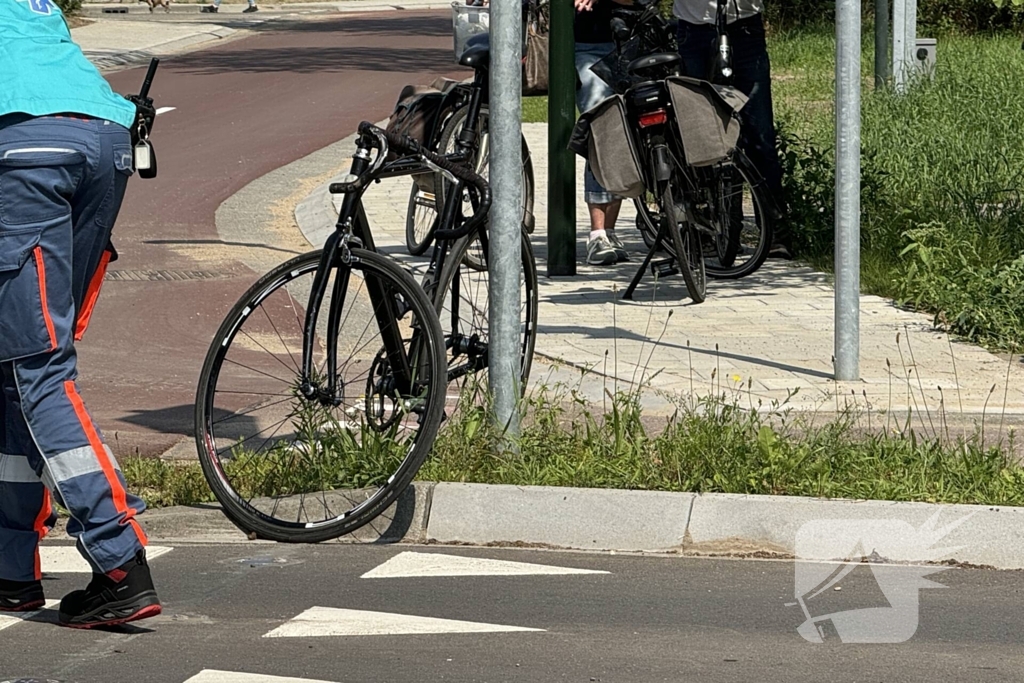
(899, 39)
(506, 164)
(561, 162)
(910, 41)
(847, 334)
(881, 43)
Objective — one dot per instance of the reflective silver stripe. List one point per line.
(38, 150)
(75, 463)
(14, 469)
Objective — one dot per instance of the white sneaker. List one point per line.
(620, 249)
(601, 252)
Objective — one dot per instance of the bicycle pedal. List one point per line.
(664, 267)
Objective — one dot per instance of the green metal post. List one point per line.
(561, 162)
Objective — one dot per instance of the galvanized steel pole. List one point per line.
(881, 43)
(847, 257)
(899, 41)
(506, 169)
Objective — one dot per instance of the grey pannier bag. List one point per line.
(602, 136)
(707, 116)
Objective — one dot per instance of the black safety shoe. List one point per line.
(210, 9)
(20, 596)
(250, 9)
(117, 597)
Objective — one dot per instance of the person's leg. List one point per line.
(90, 166)
(696, 44)
(603, 246)
(25, 511)
(757, 134)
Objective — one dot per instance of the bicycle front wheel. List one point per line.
(293, 469)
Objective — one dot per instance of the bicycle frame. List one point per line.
(352, 230)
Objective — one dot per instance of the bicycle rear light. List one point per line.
(654, 118)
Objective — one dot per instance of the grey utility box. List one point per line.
(925, 57)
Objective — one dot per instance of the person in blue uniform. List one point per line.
(65, 159)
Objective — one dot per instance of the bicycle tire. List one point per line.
(420, 220)
(685, 243)
(472, 281)
(239, 343)
(446, 145)
(740, 223)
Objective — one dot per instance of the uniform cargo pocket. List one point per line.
(36, 183)
(26, 327)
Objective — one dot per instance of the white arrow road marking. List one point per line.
(411, 564)
(65, 559)
(12, 618)
(319, 622)
(212, 676)
(164, 110)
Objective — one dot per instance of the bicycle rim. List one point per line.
(293, 469)
(463, 304)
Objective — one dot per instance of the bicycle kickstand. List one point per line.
(628, 295)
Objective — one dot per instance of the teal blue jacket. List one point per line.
(43, 72)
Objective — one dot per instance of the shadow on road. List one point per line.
(316, 60)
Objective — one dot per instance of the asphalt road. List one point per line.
(647, 619)
(243, 109)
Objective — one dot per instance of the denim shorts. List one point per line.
(592, 92)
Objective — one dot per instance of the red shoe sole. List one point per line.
(144, 613)
(27, 607)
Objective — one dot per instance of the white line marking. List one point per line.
(213, 676)
(164, 110)
(319, 622)
(65, 559)
(12, 618)
(411, 564)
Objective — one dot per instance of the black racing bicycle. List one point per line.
(325, 386)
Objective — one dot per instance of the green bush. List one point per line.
(936, 16)
(942, 186)
(69, 7)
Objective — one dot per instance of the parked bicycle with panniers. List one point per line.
(451, 117)
(457, 276)
(697, 196)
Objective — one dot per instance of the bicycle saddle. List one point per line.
(478, 52)
(647, 62)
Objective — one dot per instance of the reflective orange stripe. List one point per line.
(41, 269)
(41, 528)
(119, 495)
(91, 295)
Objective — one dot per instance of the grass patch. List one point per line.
(942, 175)
(535, 109)
(716, 445)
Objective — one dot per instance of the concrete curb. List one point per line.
(657, 522)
